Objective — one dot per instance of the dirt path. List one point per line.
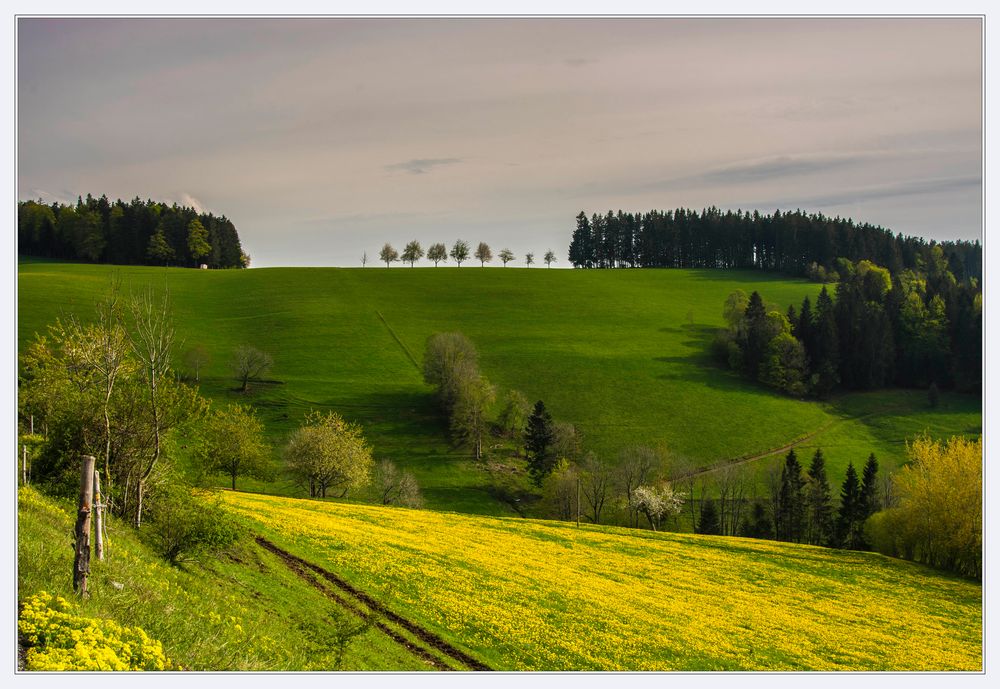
(302, 568)
(760, 455)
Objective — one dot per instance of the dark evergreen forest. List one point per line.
(790, 242)
(905, 311)
(138, 232)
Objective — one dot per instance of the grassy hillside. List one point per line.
(242, 611)
(621, 354)
(527, 595)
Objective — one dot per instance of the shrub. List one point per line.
(58, 639)
(183, 523)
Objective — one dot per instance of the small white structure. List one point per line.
(204, 266)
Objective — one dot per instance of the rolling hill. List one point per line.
(621, 354)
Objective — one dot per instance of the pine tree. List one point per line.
(819, 510)
(869, 488)
(538, 439)
(708, 519)
(790, 516)
(159, 250)
(755, 335)
(198, 245)
(758, 524)
(849, 518)
(825, 352)
(805, 329)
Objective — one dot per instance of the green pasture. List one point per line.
(623, 355)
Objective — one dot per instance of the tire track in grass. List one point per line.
(310, 578)
(297, 565)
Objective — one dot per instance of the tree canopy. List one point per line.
(135, 232)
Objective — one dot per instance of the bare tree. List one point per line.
(731, 484)
(364, 259)
(105, 347)
(249, 363)
(152, 338)
(397, 487)
(195, 359)
(595, 479)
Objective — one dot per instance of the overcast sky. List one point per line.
(324, 138)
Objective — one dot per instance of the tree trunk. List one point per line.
(138, 503)
(234, 481)
(81, 560)
(98, 517)
(24, 465)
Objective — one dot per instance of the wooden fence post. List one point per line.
(98, 517)
(81, 562)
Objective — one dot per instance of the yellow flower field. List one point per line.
(529, 595)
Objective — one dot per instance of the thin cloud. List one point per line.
(419, 166)
(781, 166)
(912, 188)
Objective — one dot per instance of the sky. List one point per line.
(322, 139)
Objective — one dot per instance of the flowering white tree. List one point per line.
(657, 503)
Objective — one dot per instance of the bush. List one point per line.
(57, 639)
(184, 523)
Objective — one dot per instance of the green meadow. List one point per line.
(622, 354)
(453, 590)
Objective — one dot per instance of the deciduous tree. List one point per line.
(329, 454)
(483, 253)
(388, 254)
(460, 252)
(231, 442)
(437, 253)
(413, 252)
(249, 363)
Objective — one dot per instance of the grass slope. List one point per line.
(242, 611)
(531, 595)
(610, 351)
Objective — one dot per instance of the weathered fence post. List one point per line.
(98, 517)
(81, 562)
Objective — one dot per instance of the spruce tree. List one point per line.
(825, 352)
(849, 518)
(790, 516)
(538, 439)
(869, 488)
(708, 519)
(758, 524)
(820, 512)
(755, 336)
(805, 330)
